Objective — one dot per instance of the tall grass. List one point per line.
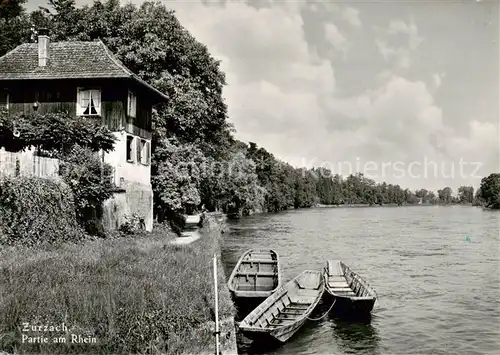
(132, 295)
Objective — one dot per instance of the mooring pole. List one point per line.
(216, 291)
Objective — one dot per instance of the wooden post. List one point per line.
(216, 291)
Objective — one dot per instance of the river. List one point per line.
(435, 270)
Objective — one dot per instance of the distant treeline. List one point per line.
(287, 187)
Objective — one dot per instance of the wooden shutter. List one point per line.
(130, 142)
(148, 153)
(132, 104)
(138, 146)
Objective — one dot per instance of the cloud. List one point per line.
(399, 26)
(436, 79)
(336, 38)
(283, 95)
(399, 54)
(346, 13)
(401, 122)
(351, 15)
(274, 80)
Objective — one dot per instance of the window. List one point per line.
(132, 104)
(88, 102)
(4, 100)
(130, 151)
(143, 152)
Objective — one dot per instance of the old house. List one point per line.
(85, 79)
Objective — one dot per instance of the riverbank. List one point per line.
(395, 205)
(124, 295)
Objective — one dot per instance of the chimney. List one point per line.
(43, 47)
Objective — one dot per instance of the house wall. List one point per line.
(135, 180)
(124, 170)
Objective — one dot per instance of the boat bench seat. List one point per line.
(337, 278)
(262, 261)
(256, 273)
(341, 289)
(310, 284)
(338, 284)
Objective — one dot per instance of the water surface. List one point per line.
(438, 290)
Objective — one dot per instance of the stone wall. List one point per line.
(135, 198)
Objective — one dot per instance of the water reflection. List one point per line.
(355, 335)
(300, 342)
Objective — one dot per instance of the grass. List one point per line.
(133, 295)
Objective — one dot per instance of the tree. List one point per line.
(431, 198)
(233, 185)
(490, 190)
(465, 194)
(445, 195)
(422, 193)
(12, 8)
(14, 24)
(179, 173)
(478, 200)
(411, 198)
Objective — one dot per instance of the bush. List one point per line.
(132, 224)
(36, 211)
(90, 181)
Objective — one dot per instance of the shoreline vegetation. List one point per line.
(131, 290)
(131, 295)
(395, 205)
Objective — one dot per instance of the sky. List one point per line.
(403, 91)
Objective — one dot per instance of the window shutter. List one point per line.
(129, 103)
(138, 146)
(148, 153)
(132, 104)
(130, 151)
(79, 102)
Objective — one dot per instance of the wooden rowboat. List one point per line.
(352, 294)
(256, 275)
(286, 310)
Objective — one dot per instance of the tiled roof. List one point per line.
(66, 60)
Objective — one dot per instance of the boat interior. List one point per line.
(258, 271)
(344, 282)
(288, 303)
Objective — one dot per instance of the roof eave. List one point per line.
(161, 96)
